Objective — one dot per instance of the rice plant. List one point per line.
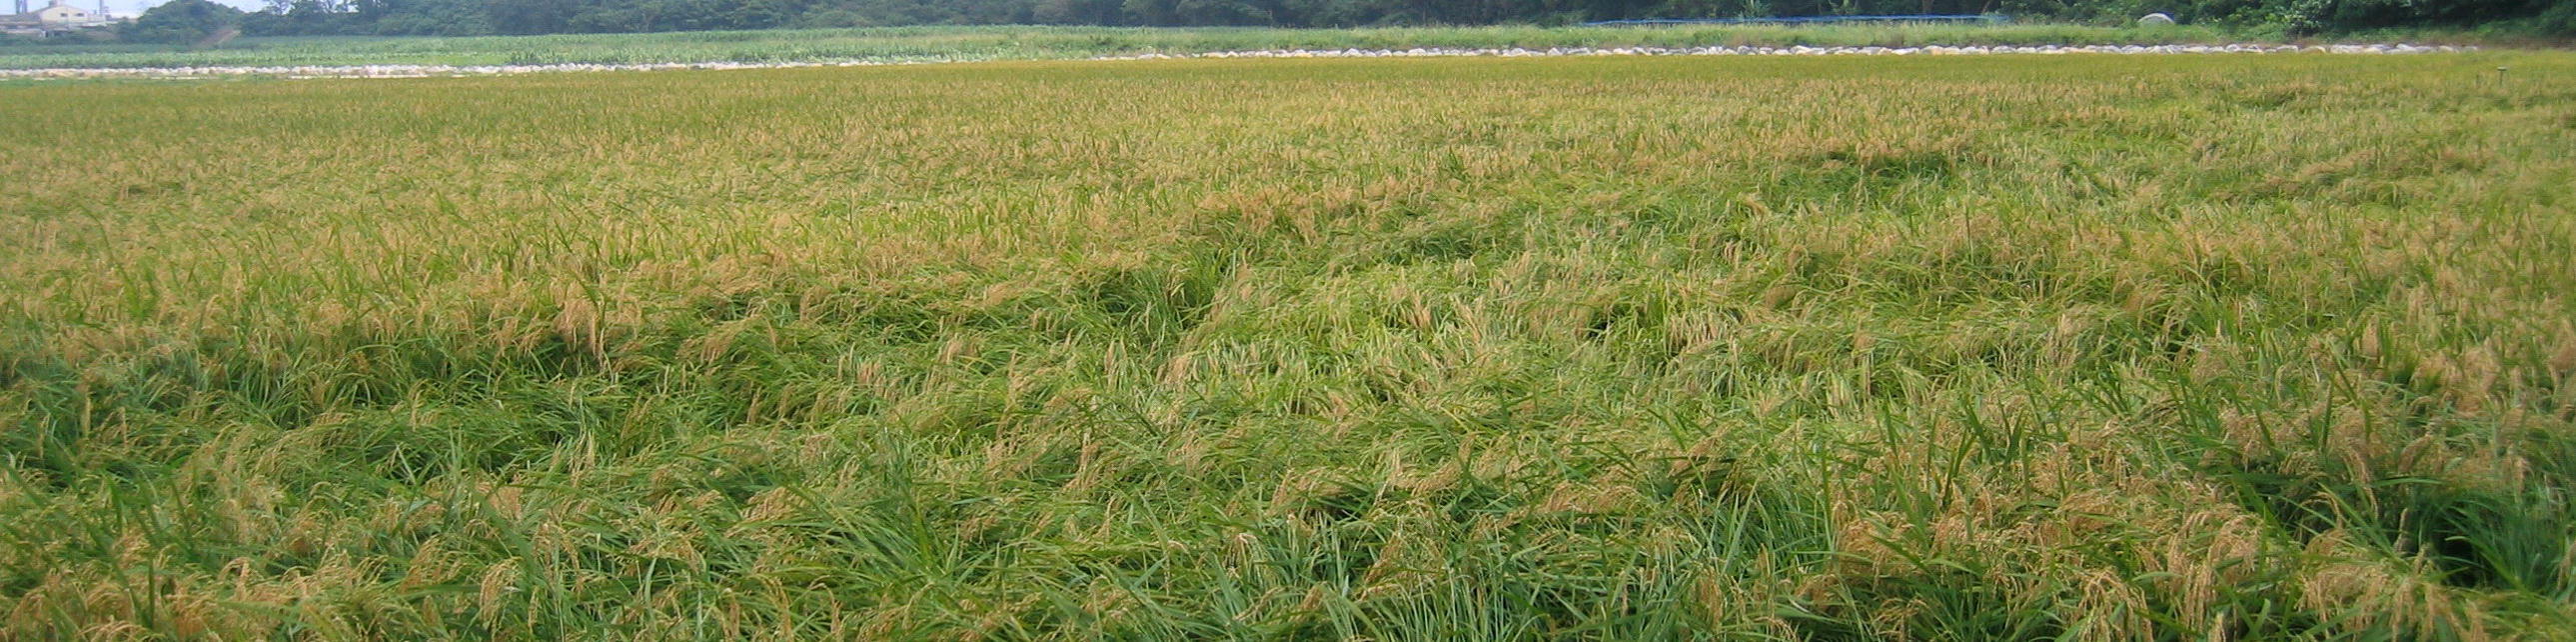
(2147, 347)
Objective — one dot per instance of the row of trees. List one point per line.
(189, 20)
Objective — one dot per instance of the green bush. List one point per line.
(181, 22)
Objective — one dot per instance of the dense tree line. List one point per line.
(188, 20)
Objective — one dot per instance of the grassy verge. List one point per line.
(2146, 348)
(1029, 43)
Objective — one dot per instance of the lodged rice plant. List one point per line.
(2147, 347)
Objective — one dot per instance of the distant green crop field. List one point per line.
(2007, 347)
(1036, 43)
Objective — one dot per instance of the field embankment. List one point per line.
(2153, 347)
(917, 44)
(421, 71)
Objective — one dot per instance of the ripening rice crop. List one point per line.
(2146, 347)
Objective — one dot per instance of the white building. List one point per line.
(59, 17)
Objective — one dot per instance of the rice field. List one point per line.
(2003, 347)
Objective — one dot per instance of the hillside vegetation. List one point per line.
(2154, 347)
(176, 21)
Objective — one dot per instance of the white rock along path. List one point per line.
(418, 71)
